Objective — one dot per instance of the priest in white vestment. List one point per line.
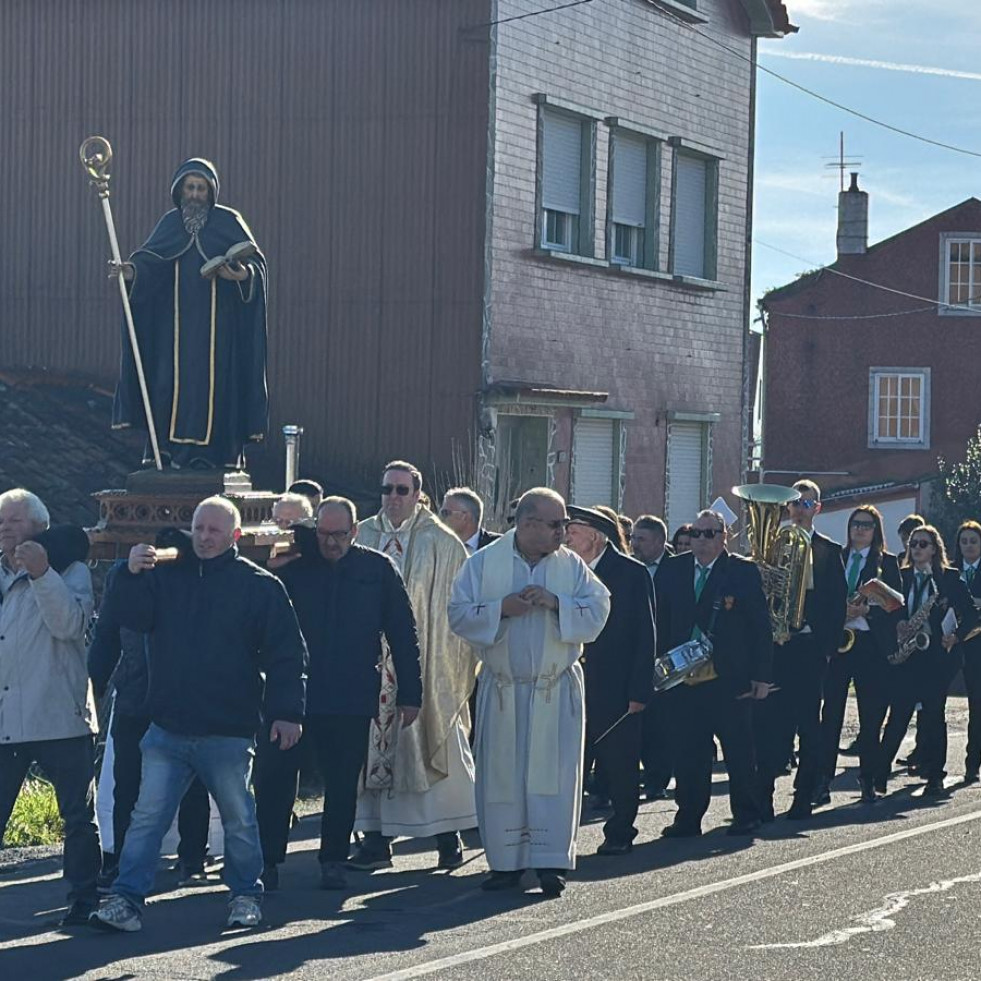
(419, 781)
(527, 605)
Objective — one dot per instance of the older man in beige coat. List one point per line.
(47, 714)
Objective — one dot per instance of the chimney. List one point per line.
(853, 220)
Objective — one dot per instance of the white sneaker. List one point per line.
(117, 913)
(244, 911)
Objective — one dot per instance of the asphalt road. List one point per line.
(887, 892)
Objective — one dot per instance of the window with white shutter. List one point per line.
(563, 180)
(693, 217)
(595, 463)
(685, 477)
(629, 204)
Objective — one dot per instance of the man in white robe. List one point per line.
(419, 780)
(527, 605)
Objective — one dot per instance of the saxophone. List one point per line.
(913, 634)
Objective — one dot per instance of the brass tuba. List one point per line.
(782, 554)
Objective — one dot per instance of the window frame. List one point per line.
(710, 267)
(648, 253)
(946, 308)
(878, 442)
(581, 240)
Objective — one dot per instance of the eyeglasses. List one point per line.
(708, 533)
(920, 543)
(446, 512)
(559, 523)
(400, 489)
(804, 503)
(861, 524)
(336, 536)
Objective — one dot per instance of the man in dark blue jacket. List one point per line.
(347, 598)
(224, 645)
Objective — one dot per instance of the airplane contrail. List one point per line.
(891, 66)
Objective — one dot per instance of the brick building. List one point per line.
(513, 249)
(874, 383)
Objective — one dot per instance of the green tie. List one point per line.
(918, 596)
(969, 574)
(854, 572)
(703, 574)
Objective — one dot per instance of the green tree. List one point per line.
(962, 486)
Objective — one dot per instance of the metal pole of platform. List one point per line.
(292, 434)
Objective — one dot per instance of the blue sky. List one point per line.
(929, 42)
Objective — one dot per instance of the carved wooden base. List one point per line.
(154, 500)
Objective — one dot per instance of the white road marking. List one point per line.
(711, 889)
(876, 920)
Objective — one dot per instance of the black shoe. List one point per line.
(681, 831)
(881, 787)
(552, 882)
(822, 794)
(657, 794)
(850, 750)
(78, 914)
(615, 847)
(499, 881)
(599, 803)
(744, 828)
(450, 851)
(270, 878)
(868, 791)
(766, 812)
(934, 788)
(367, 859)
(970, 776)
(799, 810)
(332, 876)
(909, 760)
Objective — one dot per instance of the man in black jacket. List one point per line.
(710, 591)
(800, 666)
(224, 645)
(619, 669)
(348, 599)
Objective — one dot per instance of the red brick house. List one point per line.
(873, 383)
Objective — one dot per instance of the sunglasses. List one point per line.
(400, 489)
(920, 543)
(446, 512)
(861, 524)
(708, 533)
(804, 503)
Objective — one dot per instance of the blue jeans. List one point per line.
(170, 763)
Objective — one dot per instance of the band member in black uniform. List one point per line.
(967, 557)
(926, 675)
(869, 636)
(619, 669)
(799, 667)
(711, 591)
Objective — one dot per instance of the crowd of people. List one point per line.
(444, 677)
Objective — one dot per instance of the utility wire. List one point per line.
(817, 95)
(530, 13)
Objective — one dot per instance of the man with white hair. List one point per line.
(463, 513)
(527, 605)
(291, 509)
(47, 714)
(225, 652)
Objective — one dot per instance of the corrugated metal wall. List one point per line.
(352, 136)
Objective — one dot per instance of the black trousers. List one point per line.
(618, 757)
(873, 686)
(924, 678)
(194, 816)
(698, 713)
(69, 765)
(799, 668)
(340, 743)
(655, 747)
(972, 680)
(836, 681)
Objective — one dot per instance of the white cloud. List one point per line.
(871, 63)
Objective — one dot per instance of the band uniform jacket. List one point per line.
(486, 537)
(952, 594)
(620, 662)
(742, 638)
(882, 625)
(973, 647)
(824, 606)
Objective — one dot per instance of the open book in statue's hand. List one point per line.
(239, 251)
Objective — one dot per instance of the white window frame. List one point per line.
(969, 309)
(878, 441)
